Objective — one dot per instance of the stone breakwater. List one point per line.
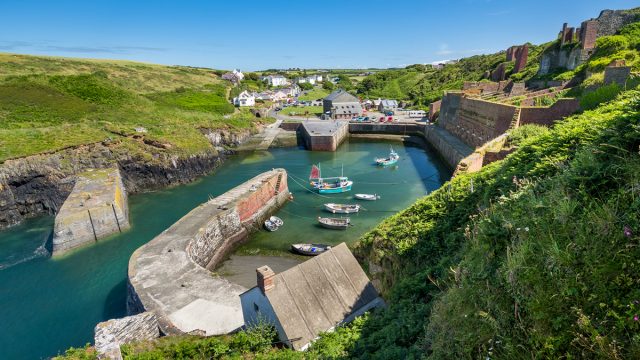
(97, 207)
(171, 275)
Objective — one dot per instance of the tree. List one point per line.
(328, 85)
(306, 86)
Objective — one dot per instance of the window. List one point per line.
(256, 308)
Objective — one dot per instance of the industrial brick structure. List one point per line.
(607, 23)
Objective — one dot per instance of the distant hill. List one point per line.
(51, 103)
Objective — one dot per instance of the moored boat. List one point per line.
(310, 249)
(334, 223)
(370, 197)
(276, 220)
(342, 208)
(332, 185)
(389, 160)
(269, 225)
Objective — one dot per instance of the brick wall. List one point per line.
(522, 55)
(616, 74)
(474, 121)
(434, 109)
(588, 34)
(249, 205)
(547, 116)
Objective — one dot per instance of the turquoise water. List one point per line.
(48, 305)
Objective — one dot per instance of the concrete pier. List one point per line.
(171, 276)
(97, 207)
(324, 135)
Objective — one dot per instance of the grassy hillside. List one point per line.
(47, 104)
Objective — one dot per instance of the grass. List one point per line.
(302, 111)
(315, 94)
(50, 103)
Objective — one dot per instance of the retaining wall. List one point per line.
(474, 121)
(170, 275)
(547, 116)
(97, 207)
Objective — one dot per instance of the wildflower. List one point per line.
(635, 302)
(518, 229)
(635, 318)
(526, 229)
(627, 231)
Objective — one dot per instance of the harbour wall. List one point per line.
(324, 135)
(97, 207)
(170, 276)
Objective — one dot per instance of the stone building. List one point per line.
(316, 296)
(341, 105)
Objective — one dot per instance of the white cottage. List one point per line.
(245, 98)
(316, 296)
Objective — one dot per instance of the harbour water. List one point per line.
(49, 304)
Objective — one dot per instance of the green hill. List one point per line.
(49, 103)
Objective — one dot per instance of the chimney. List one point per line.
(265, 278)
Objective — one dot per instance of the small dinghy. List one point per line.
(273, 223)
(310, 249)
(342, 208)
(334, 223)
(369, 197)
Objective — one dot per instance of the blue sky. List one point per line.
(254, 35)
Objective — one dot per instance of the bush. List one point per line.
(602, 94)
(632, 33)
(608, 45)
(306, 86)
(328, 85)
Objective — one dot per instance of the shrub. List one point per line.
(608, 45)
(306, 86)
(602, 94)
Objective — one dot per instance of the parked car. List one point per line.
(390, 119)
(278, 108)
(366, 119)
(381, 118)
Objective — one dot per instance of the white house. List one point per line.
(245, 98)
(318, 78)
(307, 79)
(316, 296)
(275, 80)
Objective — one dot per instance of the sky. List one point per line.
(257, 35)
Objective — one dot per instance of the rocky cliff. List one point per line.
(39, 184)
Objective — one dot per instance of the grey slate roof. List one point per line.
(319, 294)
(340, 95)
(389, 103)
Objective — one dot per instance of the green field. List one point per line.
(49, 103)
(302, 111)
(315, 94)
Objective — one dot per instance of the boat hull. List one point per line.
(386, 162)
(309, 249)
(336, 209)
(335, 190)
(366, 197)
(329, 223)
